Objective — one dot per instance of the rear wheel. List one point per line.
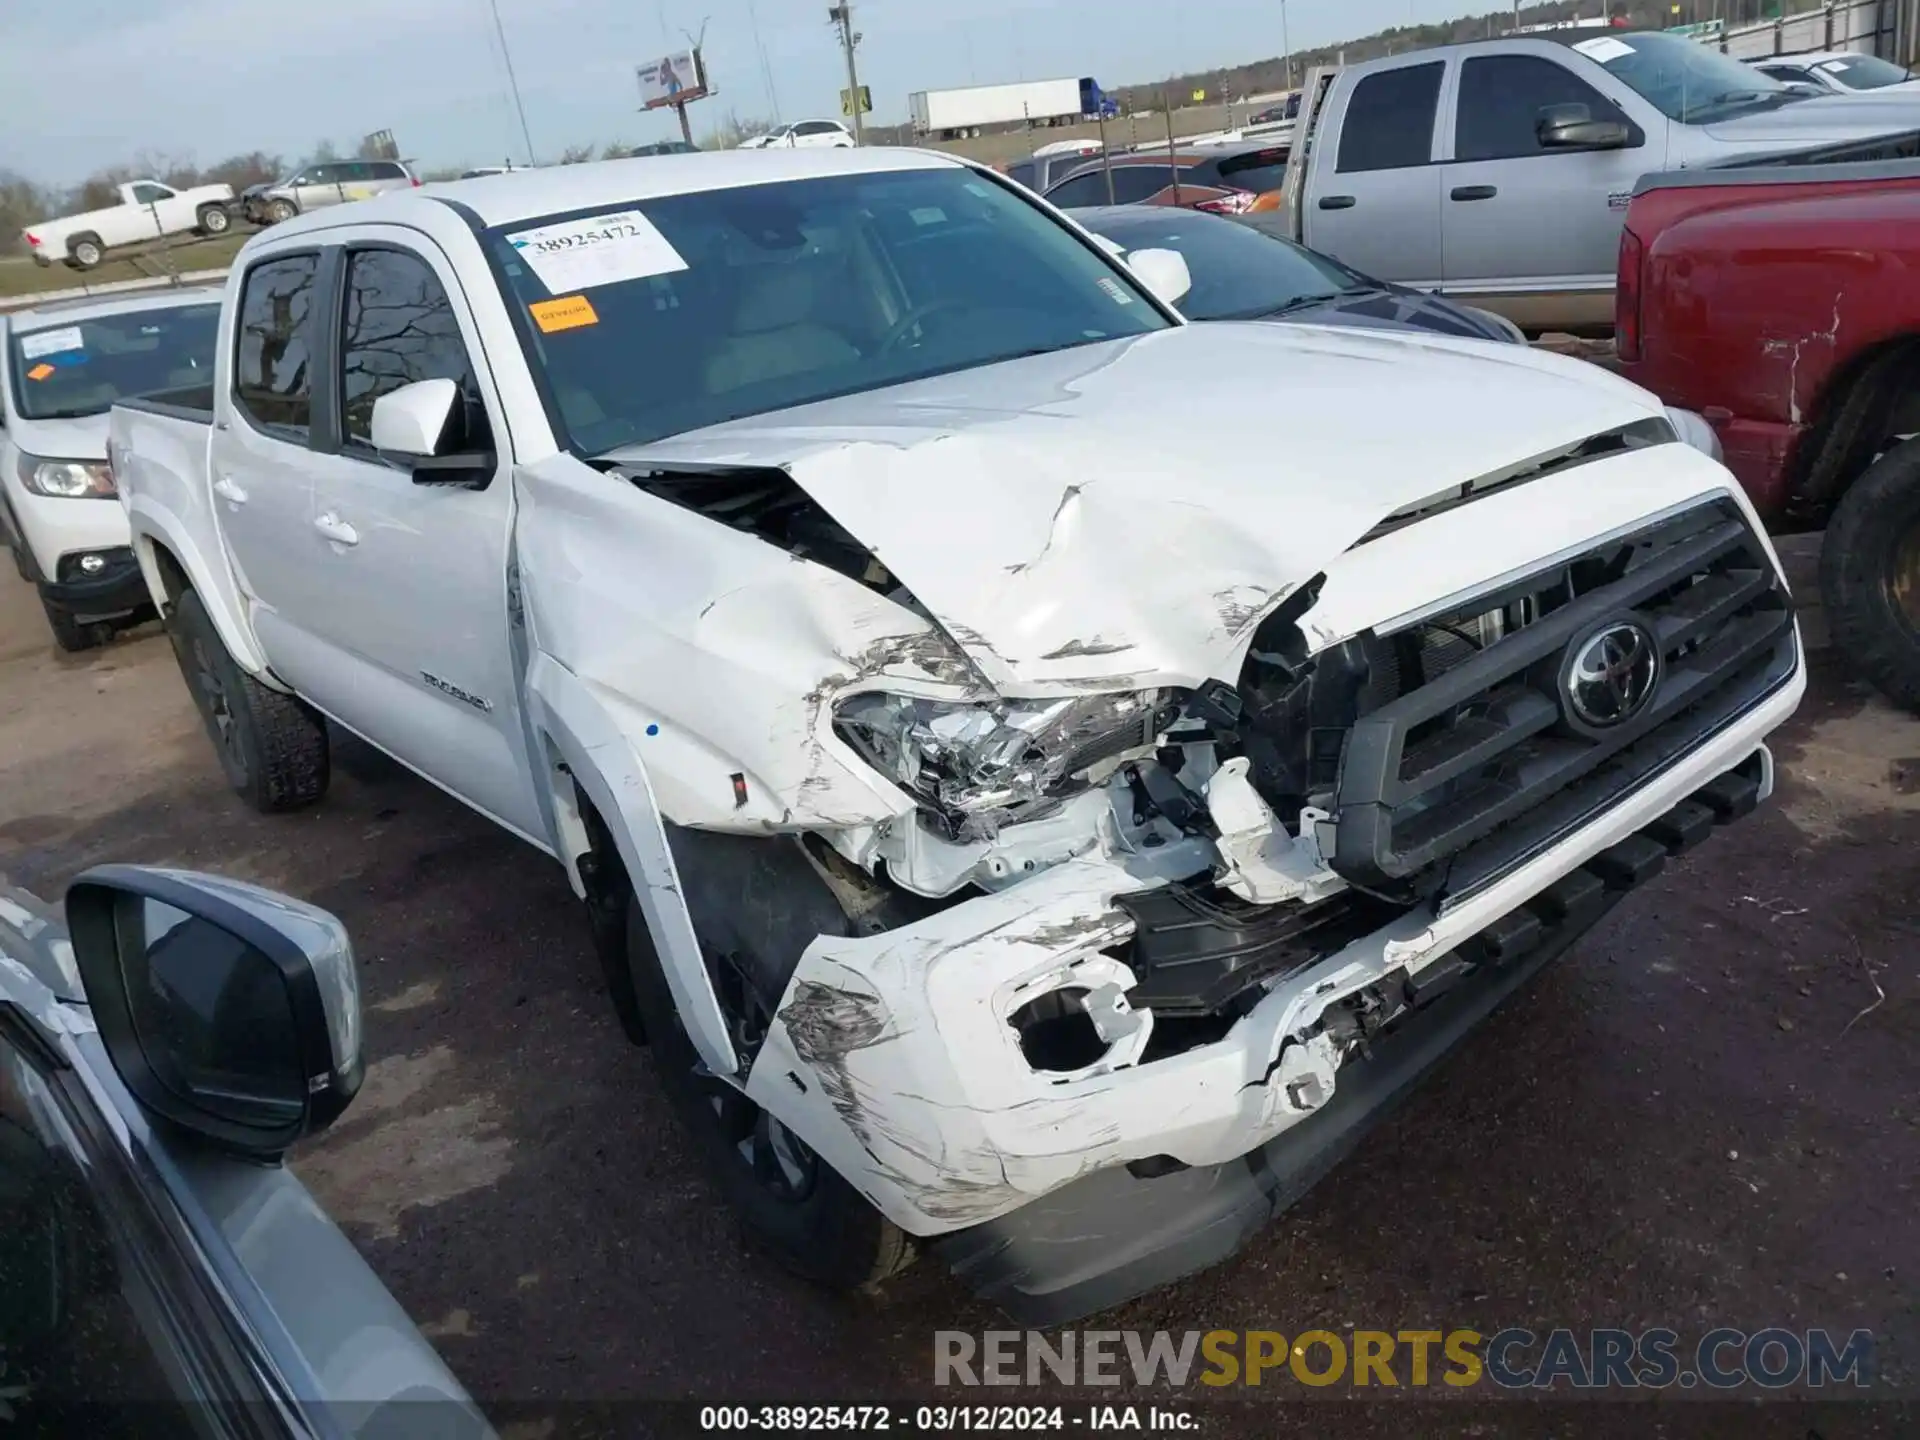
(790, 1201)
(85, 251)
(271, 746)
(1870, 574)
(214, 220)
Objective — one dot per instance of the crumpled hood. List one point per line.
(1125, 512)
(84, 438)
(1822, 120)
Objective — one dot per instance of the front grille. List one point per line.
(1461, 779)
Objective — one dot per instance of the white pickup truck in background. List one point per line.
(1015, 829)
(147, 211)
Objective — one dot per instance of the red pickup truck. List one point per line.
(1782, 302)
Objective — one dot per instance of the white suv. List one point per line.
(803, 135)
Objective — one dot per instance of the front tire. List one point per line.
(271, 746)
(68, 633)
(790, 1201)
(1870, 574)
(280, 210)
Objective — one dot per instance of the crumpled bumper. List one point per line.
(893, 1055)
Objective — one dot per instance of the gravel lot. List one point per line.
(1696, 1119)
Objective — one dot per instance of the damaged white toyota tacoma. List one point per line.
(1043, 777)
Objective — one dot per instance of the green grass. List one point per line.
(20, 276)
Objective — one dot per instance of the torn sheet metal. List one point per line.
(1082, 544)
(899, 1067)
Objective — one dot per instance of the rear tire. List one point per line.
(790, 1201)
(271, 746)
(1870, 574)
(214, 220)
(85, 252)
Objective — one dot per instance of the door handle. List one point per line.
(1337, 202)
(336, 529)
(1475, 192)
(227, 490)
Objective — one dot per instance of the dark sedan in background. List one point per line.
(1243, 271)
(1221, 179)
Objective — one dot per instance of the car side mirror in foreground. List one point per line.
(416, 426)
(230, 1010)
(1164, 272)
(1572, 127)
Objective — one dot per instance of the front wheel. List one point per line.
(790, 1201)
(271, 746)
(1870, 574)
(280, 211)
(68, 633)
(214, 220)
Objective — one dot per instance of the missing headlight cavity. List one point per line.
(1056, 1033)
(978, 767)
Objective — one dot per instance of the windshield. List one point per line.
(1685, 80)
(1239, 273)
(675, 313)
(61, 372)
(1863, 72)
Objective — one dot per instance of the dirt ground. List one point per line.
(1708, 1114)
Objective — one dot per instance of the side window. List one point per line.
(150, 194)
(1389, 123)
(388, 170)
(1501, 97)
(400, 327)
(1134, 183)
(81, 1338)
(1087, 189)
(272, 381)
(815, 127)
(326, 174)
(1022, 174)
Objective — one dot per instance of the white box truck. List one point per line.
(956, 114)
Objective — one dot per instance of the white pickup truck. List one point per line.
(147, 211)
(1018, 825)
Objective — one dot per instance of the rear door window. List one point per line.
(273, 356)
(1389, 121)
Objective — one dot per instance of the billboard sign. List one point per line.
(672, 80)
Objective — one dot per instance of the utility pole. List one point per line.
(512, 82)
(842, 15)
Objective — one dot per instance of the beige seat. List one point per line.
(773, 334)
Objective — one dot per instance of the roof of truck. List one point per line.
(560, 189)
(124, 302)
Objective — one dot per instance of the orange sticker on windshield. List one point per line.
(40, 371)
(568, 313)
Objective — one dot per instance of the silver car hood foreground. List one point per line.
(1127, 511)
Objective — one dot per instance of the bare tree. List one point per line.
(732, 130)
(576, 154)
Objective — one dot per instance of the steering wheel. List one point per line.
(904, 326)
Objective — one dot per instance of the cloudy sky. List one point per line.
(89, 82)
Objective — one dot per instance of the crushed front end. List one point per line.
(1186, 944)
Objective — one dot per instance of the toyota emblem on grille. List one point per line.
(1612, 675)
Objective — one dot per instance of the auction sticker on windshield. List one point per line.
(1604, 49)
(599, 250)
(50, 342)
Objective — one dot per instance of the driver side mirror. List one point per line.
(230, 1010)
(415, 426)
(1164, 272)
(1572, 127)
